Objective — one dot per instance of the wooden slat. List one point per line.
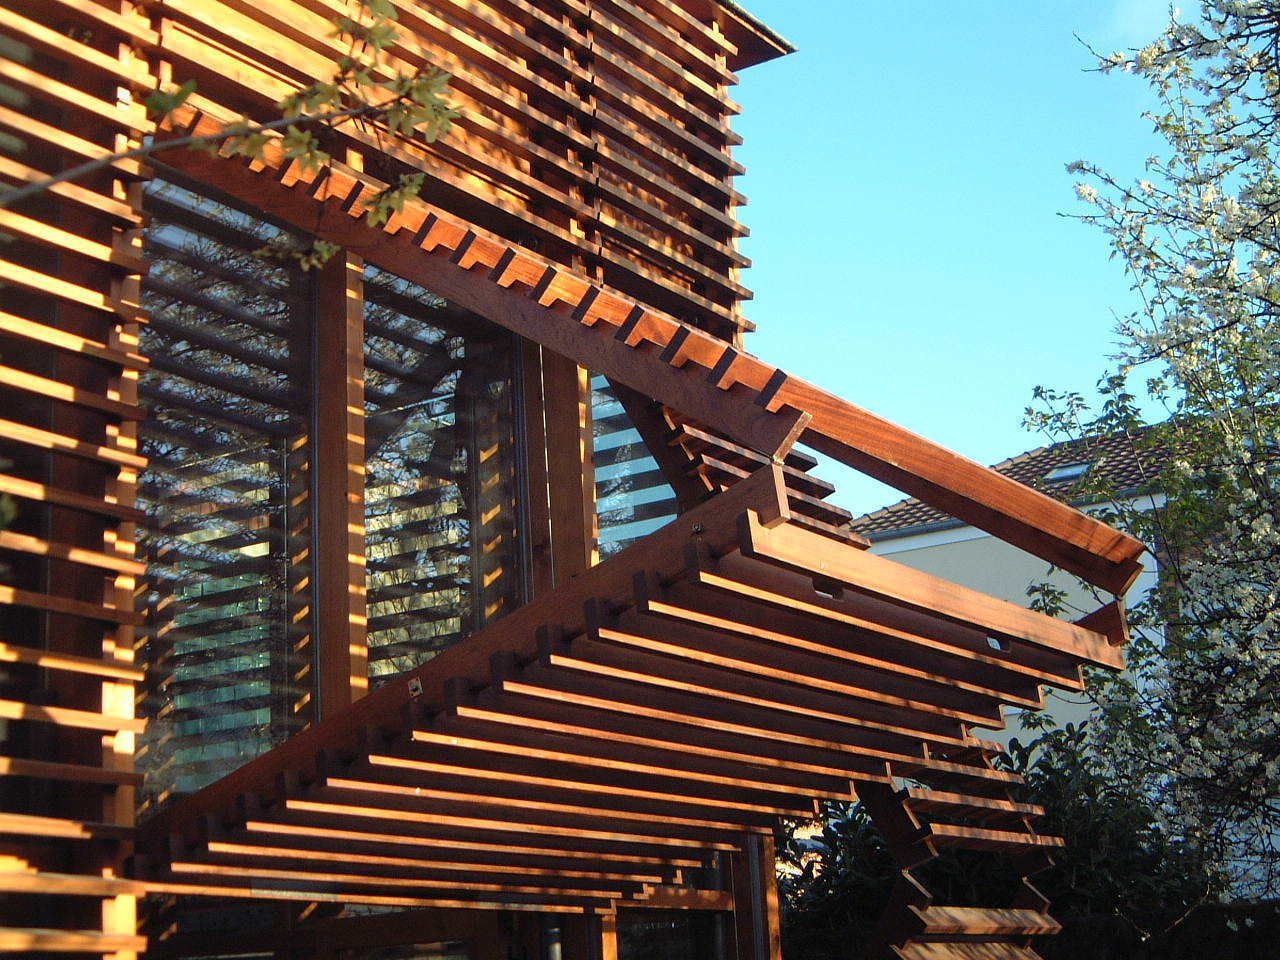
(65, 716)
(892, 581)
(69, 342)
(25, 543)
(42, 493)
(738, 577)
(871, 646)
(55, 660)
(39, 940)
(107, 613)
(983, 838)
(965, 951)
(48, 440)
(16, 379)
(72, 772)
(46, 284)
(974, 921)
(36, 826)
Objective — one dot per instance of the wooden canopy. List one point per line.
(600, 746)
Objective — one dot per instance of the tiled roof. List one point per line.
(1120, 462)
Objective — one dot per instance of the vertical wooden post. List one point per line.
(570, 471)
(770, 906)
(609, 936)
(535, 517)
(757, 917)
(341, 619)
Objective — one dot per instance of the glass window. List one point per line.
(1068, 471)
(227, 543)
(440, 474)
(646, 934)
(632, 498)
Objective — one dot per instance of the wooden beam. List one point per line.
(571, 472)
(753, 403)
(885, 579)
(712, 523)
(536, 513)
(341, 616)
(645, 415)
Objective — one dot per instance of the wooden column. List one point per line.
(338, 445)
(758, 923)
(536, 517)
(608, 926)
(570, 471)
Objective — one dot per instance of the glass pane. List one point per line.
(440, 473)
(670, 935)
(227, 595)
(632, 498)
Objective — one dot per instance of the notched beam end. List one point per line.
(1110, 621)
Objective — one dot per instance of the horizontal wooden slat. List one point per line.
(115, 562)
(36, 826)
(48, 440)
(37, 940)
(981, 920)
(76, 608)
(53, 660)
(65, 716)
(16, 379)
(71, 343)
(72, 772)
(41, 493)
(892, 581)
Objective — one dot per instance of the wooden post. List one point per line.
(535, 517)
(570, 471)
(757, 918)
(609, 936)
(338, 445)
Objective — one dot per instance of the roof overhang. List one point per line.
(756, 41)
(598, 746)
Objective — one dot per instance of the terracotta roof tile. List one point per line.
(1113, 460)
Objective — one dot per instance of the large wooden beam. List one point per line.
(646, 416)
(690, 370)
(882, 578)
(566, 398)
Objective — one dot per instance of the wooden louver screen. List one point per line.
(439, 480)
(227, 594)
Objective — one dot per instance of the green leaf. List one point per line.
(162, 103)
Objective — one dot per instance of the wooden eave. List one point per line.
(601, 742)
(755, 41)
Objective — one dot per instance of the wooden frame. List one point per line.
(632, 733)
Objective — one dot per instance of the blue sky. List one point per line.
(905, 175)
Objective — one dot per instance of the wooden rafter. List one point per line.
(750, 401)
(592, 747)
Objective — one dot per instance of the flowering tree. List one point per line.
(1195, 723)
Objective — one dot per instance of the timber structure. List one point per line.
(309, 648)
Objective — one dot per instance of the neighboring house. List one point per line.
(928, 539)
